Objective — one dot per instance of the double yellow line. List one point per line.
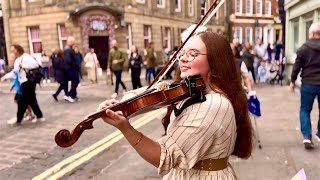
(76, 160)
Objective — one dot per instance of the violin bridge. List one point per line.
(162, 86)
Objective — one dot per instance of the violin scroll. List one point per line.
(66, 139)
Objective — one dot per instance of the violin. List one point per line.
(152, 98)
(149, 100)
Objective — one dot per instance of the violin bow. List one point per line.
(204, 20)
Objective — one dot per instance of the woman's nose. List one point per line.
(183, 58)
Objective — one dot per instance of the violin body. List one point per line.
(142, 103)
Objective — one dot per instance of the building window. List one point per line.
(178, 6)
(308, 24)
(62, 35)
(258, 7)
(129, 35)
(141, 1)
(268, 8)
(248, 34)
(258, 33)
(34, 39)
(249, 7)
(238, 33)
(295, 36)
(238, 7)
(161, 3)
(146, 35)
(203, 7)
(191, 7)
(167, 38)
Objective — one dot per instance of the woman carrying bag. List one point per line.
(92, 64)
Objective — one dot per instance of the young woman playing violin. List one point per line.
(200, 140)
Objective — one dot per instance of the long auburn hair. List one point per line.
(225, 79)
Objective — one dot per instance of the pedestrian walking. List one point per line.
(248, 59)
(45, 67)
(150, 62)
(201, 139)
(135, 63)
(17, 86)
(61, 76)
(79, 60)
(269, 51)
(115, 62)
(278, 50)
(241, 67)
(91, 65)
(260, 52)
(72, 68)
(26, 65)
(308, 62)
(52, 57)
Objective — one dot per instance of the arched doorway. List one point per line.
(97, 25)
(101, 48)
(97, 33)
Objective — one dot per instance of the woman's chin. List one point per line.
(183, 75)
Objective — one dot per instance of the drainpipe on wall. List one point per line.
(5, 10)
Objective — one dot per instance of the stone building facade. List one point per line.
(45, 24)
(252, 19)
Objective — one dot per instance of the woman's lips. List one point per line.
(184, 68)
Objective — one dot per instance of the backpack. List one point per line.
(34, 75)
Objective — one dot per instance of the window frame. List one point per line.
(167, 37)
(191, 7)
(250, 34)
(141, 1)
(129, 35)
(258, 36)
(259, 7)
(203, 9)
(161, 5)
(251, 7)
(267, 4)
(178, 6)
(149, 36)
(60, 38)
(31, 41)
(240, 33)
(240, 7)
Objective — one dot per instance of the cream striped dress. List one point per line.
(202, 131)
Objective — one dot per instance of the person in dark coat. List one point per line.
(248, 59)
(59, 63)
(135, 62)
(278, 50)
(72, 68)
(308, 62)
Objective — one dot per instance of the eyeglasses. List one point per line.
(190, 54)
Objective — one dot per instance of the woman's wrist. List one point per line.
(125, 128)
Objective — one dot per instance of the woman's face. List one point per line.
(133, 49)
(14, 51)
(197, 62)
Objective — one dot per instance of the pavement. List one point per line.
(29, 150)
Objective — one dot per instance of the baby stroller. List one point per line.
(274, 72)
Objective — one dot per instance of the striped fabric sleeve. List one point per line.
(193, 134)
